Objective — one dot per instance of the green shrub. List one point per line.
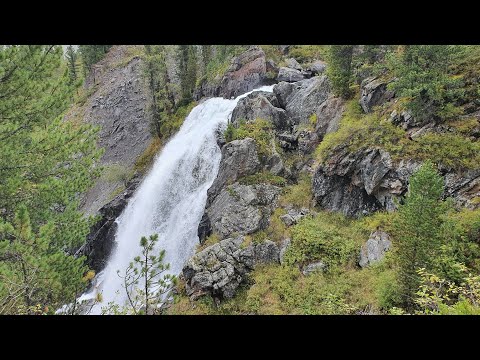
(369, 131)
(387, 290)
(329, 237)
(299, 195)
(260, 130)
(263, 177)
(308, 53)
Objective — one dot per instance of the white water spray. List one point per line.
(171, 199)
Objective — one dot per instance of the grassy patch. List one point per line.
(272, 52)
(329, 237)
(259, 130)
(308, 53)
(299, 195)
(361, 131)
(209, 241)
(129, 54)
(263, 177)
(145, 160)
(173, 124)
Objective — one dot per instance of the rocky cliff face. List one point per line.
(118, 104)
(118, 101)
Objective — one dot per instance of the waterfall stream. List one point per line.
(170, 200)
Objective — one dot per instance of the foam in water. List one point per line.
(171, 199)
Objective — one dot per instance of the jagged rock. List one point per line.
(361, 182)
(404, 119)
(101, 239)
(374, 249)
(293, 64)
(283, 248)
(314, 267)
(464, 187)
(275, 165)
(239, 158)
(220, 135)
(219, 269)
(289, 75)
(373, 93)
(242, 209)
(284, 49)
(261, 105)
(119, 106)
(329, 114)
(317, 67)
(282, 91)
(293, 216)
(303, 98)
(307, 141)
(267, 252)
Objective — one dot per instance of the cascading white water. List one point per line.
(171, 199)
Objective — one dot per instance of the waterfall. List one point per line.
(170, 200)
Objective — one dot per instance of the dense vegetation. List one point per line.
(46, 162)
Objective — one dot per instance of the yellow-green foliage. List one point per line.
(263, 177)
(380, 220)
(173, 124)
(357, 131)
(277, 230)
(313, 120)
(300, 194)
(259, 130)
(145, 160)
(131, 52)
(209, 241)
(272, 52)
(329, 237)
(440, 296)
(308, 53)
(464, 126)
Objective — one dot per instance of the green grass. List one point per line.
(145, 160)
(300, 194)
(326, 236)
(260, 130)
(263, 177)
(173, 124)
(362, 131)
(308, 53)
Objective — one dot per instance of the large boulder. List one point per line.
(360, 182)
(302, 99)
(239, 158)
(293, 216)
(261, 105)
(293, 64)
(373, 93)
(289, 75)
(374, 249)
(317, 67)
(219, 269)
(329, 114)
(318, 266)
(242, 209)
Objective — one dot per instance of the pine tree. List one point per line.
(91, 54)
(422, 73)
(71, 56)
(340, 69)
(46, 162)
(144, 281)
(163, 103)
(187, 61)
(417, 229)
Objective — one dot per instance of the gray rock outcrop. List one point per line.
(373, 93)
(242, 209)
(260, 105)
(289, 75)
(374, 249)
(218, 270)
(314, 267)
